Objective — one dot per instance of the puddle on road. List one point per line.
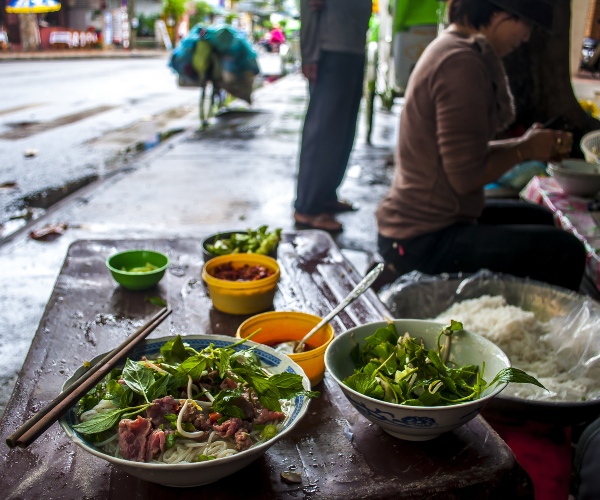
(21, 130)
(231, 122)
(148, 132)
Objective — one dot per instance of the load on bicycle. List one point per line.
(219, 57)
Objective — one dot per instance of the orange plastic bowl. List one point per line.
(241, 297)
(282, 326)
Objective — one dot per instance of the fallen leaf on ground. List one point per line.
(9, 185)
(49, 232)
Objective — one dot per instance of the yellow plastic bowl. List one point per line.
(241, 297)
(282, 326)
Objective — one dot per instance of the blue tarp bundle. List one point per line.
(236, 59)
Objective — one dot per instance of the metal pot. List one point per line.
(418, 296)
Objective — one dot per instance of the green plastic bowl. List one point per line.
(120, 262)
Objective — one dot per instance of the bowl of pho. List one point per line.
(188, 411)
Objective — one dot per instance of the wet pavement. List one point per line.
(238, 174)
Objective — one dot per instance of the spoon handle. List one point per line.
(359, 289)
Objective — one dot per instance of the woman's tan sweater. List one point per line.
(456, 101)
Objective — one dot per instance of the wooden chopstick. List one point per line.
(39, 423)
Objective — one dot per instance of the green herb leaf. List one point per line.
(270, 401)
(365, 385)
(414, 375)
(223, 403)
(138, 378)
(158, 388)
(106, 420)
(193, 366)
(157, 301)
(174, 351)
(515, 375)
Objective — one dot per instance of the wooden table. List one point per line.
(339, 453)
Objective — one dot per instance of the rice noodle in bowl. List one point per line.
(220, 453)
(184, 450)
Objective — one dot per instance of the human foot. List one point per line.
(339, 206)
(324, 221)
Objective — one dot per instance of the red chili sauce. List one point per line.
(245, 273)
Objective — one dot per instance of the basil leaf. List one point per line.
(106, 420)
(223, 362)
(262, 385)
(223, 403)
(174, 351)
(138, 378)
(193, 366)
(158, 389)
(515, 375)
(270, 401)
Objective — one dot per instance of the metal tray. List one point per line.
(419, 296)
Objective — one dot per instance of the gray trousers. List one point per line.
(329, 130)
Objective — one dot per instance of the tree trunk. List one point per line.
(29, 31)
(540, 79)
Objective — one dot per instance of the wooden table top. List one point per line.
(339, 453)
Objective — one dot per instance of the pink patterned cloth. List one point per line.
(571, 214)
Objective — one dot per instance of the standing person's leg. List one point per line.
(330, 120)
(352, 66)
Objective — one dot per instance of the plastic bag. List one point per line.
(571, 322)
(230, 63)
(227, 41)
(182, 56)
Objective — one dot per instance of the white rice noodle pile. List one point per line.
(555, 352)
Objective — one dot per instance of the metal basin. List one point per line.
(419, 296)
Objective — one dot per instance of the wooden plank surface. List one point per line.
(339, 453)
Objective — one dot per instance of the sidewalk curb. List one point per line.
(52, 55)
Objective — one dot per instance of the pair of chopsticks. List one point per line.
(39, 423)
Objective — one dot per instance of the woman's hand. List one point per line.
(545, 144)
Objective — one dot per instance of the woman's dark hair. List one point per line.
(475, 13)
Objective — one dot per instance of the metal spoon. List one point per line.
(295, 346)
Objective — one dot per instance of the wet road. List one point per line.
(54, 113)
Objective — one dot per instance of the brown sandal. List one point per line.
(324, 221)
(339, 206)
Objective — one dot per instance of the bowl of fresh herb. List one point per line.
(418, 379)
(187, 411)
(261, 241)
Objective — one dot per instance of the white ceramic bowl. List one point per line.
(196, 474)
(417, 423)
(576, 177)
